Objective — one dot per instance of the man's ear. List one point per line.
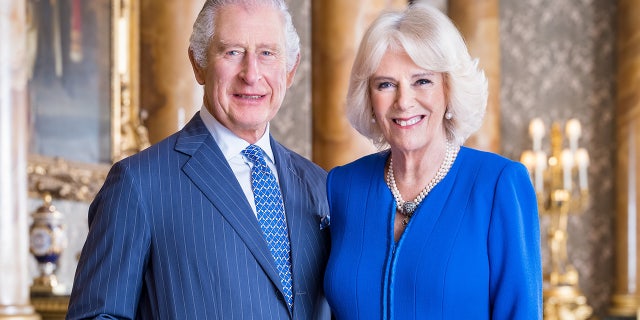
(291, 74)
(197, 70)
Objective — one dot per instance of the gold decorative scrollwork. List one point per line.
(64, 179)
(129, 135)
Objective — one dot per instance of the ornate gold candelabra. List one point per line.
(560, 181)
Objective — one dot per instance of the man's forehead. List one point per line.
(234, 42)
(266, 14)
(240, 25)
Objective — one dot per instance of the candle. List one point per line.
(123, 46)
(582, 161)
(573, 131)
(566, 160)
(536, 131)
(540, 166)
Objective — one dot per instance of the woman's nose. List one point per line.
(405, 97)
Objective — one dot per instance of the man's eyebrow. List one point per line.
(226, 44)
(221, 44)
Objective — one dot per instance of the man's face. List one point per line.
(246, 77)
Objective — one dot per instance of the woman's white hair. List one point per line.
(433, 43)
(204, 28)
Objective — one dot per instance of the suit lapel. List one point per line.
(293, 191)
(210, 172)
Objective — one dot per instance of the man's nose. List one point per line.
(250, 69)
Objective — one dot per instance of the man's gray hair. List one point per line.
(204, 29)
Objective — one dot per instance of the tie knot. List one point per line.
(254, 154)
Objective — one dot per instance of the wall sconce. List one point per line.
(560, 182)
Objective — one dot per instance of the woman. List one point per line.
(468, 245)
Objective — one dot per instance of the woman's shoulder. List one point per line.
(485, 158)
(490, 163)
(364, 163)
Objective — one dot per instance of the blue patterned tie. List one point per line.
(270, 209)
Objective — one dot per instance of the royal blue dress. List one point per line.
(471, 250)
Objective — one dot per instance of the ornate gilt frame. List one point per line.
(76, 181)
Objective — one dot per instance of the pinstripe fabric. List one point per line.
(171, 236)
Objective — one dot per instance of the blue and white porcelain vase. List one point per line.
(47, 241)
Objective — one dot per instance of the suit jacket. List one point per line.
(172, 236)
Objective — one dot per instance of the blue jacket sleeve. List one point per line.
(514, 248)
(110, 271)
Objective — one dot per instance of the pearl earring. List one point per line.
(448, 115)
(373, 118)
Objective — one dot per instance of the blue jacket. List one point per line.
(471, 250)
(172, 236)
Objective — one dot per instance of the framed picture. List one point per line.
(70, 83)
(83, 93)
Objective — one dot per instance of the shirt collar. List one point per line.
(230, 144)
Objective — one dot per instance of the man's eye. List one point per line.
(268, 53)
(233, 52)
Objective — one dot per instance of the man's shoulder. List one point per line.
(297, 160)
(152, 154)
(301, 161)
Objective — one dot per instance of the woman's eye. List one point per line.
(422, 82)
(385, 85)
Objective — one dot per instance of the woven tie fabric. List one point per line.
(270, 211)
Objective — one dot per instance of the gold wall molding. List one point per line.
(128, 134)
(626, 298)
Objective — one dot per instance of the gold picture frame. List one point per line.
(57, 173)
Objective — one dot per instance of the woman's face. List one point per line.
(408, 102)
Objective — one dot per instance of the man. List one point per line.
(179, 230)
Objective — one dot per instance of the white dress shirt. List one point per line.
(231, 146)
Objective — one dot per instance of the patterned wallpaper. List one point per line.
(557, 64)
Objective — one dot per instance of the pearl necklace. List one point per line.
(406, 208)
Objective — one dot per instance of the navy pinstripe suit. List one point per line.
(172, 236)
